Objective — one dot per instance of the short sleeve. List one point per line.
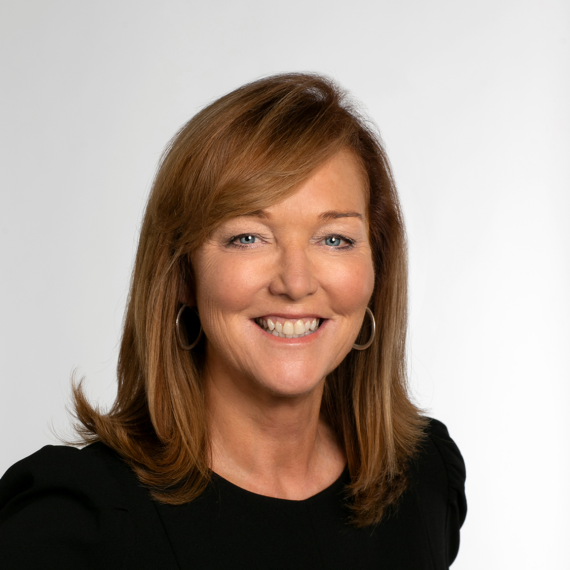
(456, 474)
(60, 508)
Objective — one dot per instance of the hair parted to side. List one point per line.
(247, 151)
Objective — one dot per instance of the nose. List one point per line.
(294, 275)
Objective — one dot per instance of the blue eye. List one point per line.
(244, 240)
(333, 241)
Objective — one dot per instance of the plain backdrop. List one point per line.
(472, 100)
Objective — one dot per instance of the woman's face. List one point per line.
(260, 279)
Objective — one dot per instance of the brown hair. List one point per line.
(244, 152)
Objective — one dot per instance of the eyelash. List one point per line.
(350, 242)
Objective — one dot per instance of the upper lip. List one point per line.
(291, 316)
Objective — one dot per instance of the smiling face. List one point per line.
(300, 267)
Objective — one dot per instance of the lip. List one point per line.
(290, 316)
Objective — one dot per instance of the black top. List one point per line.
(63, 508)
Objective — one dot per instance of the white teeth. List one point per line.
(299, 327)
(289, 329)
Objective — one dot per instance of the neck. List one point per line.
(270, 444)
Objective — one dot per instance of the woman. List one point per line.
(262, 418)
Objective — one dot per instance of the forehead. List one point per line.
(339, 185)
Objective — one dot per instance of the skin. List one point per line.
(263, 393)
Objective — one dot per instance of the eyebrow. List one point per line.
(325, 216)
(334, 215)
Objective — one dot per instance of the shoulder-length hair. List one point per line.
(244, 152)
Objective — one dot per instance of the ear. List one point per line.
(186, 297)
(186, 285)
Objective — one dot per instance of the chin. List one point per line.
(289, 387)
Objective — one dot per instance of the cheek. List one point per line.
(351, 285)
(227, 285)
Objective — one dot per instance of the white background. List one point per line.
(472, 99)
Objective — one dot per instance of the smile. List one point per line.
(284, 328)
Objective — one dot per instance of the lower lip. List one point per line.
(293, 341)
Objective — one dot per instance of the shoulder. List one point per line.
(440, 449)
(61, 464)
(62, 507)
(65, 470)
(439, 475)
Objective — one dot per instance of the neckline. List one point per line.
(333, 489)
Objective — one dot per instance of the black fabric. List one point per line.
(63, 508)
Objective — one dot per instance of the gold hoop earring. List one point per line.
(181, 342)
(373, 334)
